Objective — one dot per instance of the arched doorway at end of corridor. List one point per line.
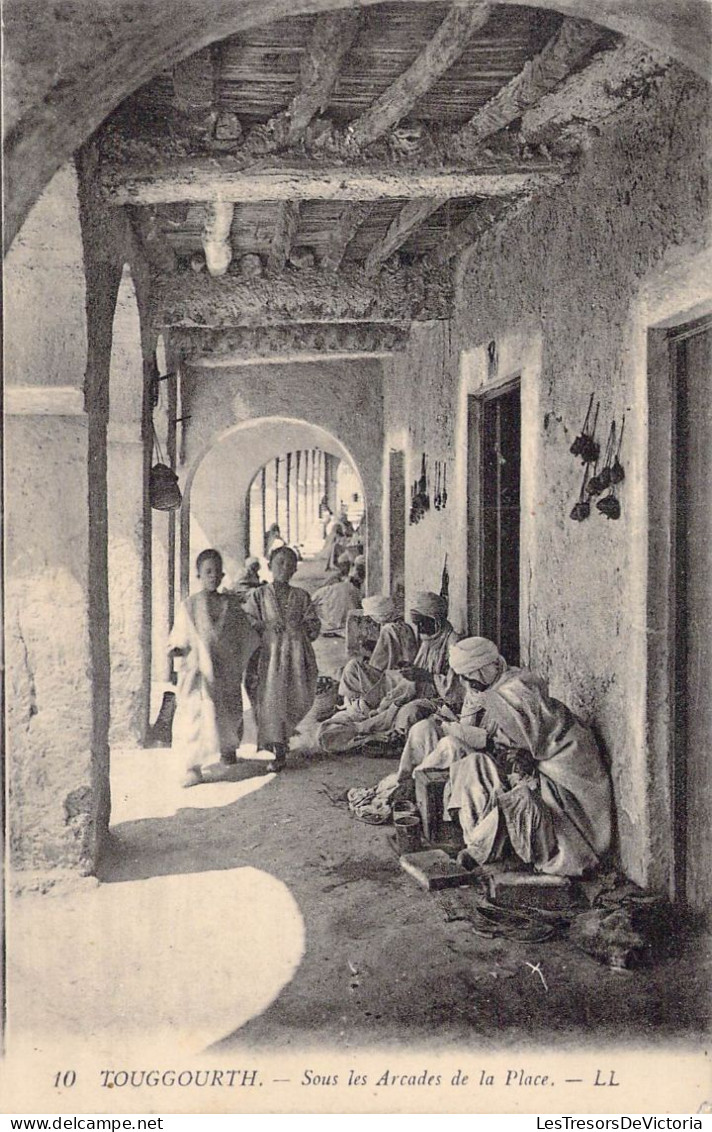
(264, 471)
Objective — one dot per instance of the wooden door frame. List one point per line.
(663, 607)
(475, 467)
(399, 452)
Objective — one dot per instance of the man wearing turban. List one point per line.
(524, 771)
(373, 691)
(476, 661)
(384, 702)
(436, 682)
(333, 603)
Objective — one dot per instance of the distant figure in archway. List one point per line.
(248, 579)
(338, 534)
(273, 539)
(285, 685)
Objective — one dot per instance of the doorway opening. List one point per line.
(690, 356)
(494, 478)
(396, 520)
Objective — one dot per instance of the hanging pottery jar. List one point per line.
(163, 490)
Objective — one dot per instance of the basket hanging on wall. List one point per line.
(163, 490)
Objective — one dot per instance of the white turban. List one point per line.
(381, 607)
(429, 605)
(473, 655)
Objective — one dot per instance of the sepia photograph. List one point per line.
(357, 588)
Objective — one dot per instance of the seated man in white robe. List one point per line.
(333, 602)
(539, 787)
(382, 703)
(373, 691)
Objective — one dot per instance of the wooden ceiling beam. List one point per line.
(343, 232)
(204, 180)
(446, 46)
(283, 237)
(193, 84)
(611, 80)
(472, 227)
(411, 217)
(574, 40)
(333, 36)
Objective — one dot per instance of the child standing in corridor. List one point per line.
(215, 639)
(287, 623)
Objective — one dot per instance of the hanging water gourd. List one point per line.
(609, 505)
(163, 491)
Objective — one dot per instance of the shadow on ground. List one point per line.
(381, 964)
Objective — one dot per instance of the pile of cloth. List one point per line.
(373, 804)
(626, 926)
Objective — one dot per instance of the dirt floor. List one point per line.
(257, 912)
(381, 962)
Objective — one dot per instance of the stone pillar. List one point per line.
(130, 680)
(49, 693)
(58, 329)
(289, 533)
(298, 516)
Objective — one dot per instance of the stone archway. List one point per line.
(241, 451)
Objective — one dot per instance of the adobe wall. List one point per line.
(560, 290)
(49, 695)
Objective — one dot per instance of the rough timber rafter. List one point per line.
(446, 46)
(332, 37)
(305, 296)
(409, 219)
(611, 80)
(216, 236)
(203, 180)
(475, 223)
(244, 344)
(283, 236)
(440, 53)
(574, 40)
(193, 85)
(348, 224)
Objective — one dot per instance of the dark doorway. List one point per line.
(396, 519)
(691, 359)
(495, 447)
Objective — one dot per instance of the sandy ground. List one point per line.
(257, 912)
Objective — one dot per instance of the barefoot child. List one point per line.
(287, 622)
(215, 640)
